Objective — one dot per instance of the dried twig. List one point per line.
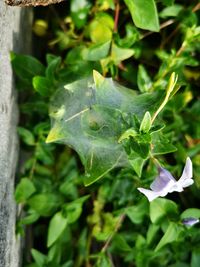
(118, 225)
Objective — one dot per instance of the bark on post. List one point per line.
(32, 2)
(15, 32)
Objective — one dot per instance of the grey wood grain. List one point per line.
(14, 36)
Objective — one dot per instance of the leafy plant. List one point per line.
(96, 51)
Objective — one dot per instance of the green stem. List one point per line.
(170, 88)
(89, 241)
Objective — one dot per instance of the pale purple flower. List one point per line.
(165, 182)
(190, 221)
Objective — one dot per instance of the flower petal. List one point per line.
(187, 183)
(186, 177)
(151, 195)
(176, 188)
(190, 221)
(163, 180)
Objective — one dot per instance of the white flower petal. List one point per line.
(165, 182)
(176, 188)
(187, 171)
(187, 183)
(151, 195)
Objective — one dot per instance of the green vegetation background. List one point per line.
(110, 223)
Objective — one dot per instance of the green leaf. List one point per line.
(157, 128)
(57, 225)
(167, 2)
(24, 190)
(27, 136)
(101, 28)
(97, 51)
(131, 37)
(44, 204)
(55, 253)
(50, 58)
(137, 163)
(29, 219)
(52, 69)
(42, 128)
(42, 85)
(141, 147)
(162, 209)
(151, 233)
(145, 125)
(119, 54)
(144, 14)
(103, 261)
(74, 209)
(172, 233)
(26, 67)
(100, 33)
(195, 258)
(32, 265)
(128, 133)
(140, 243)
(119, 244)
(192, 212)
(39, 258)
(69, 263)
(44, 154)
(69, 189)
(179, 264)
(170, 11)
(137, 213)
(144, 82)
(161, 145)
(93, 124)
(98, 79)
(79, 12)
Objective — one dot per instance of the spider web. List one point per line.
(88, 115)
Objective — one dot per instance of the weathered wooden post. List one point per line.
(15, 35)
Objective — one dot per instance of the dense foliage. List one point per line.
(78, 200)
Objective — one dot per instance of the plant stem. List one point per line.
(32, 170)
(118, 225)
(181, 49)
(89, 240)
(61, 23)
(117, 8)
(170, 88)
(162, 26)
(111, 260)
(197, 7)
(159, 109)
